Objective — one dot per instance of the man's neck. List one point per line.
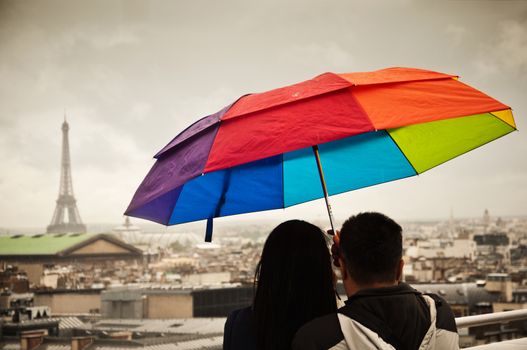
(352, 288)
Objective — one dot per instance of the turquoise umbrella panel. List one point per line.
(348, 164)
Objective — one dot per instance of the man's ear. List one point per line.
(343, 271)
(399, 273)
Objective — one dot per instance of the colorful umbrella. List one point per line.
(361, 129)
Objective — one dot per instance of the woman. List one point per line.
(294, 284)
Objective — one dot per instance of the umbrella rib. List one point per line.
(471, 149)
(219, 205)
(221, 200)
(283, 185)
(501, 120)
(402, 152)
(362, 109)
(173, 206)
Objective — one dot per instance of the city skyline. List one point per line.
(132, 76)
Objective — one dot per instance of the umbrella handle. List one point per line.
(324, 187)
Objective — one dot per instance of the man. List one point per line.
(381, 312)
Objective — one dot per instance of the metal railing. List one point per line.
(494, 318)
(486, 319)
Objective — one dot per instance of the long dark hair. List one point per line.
(294, 283)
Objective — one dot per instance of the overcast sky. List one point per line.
(132, 74)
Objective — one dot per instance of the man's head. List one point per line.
(371, 249)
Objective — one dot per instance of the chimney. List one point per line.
(31, 340)
(80, 343)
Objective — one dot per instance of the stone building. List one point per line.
(165, 302)
(32, 254)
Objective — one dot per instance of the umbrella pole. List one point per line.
(324, 188)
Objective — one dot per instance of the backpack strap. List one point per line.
(368, 329)
(429, 340)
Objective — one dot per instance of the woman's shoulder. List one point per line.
(239, 331)
(241, 315)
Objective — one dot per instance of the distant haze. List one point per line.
(132, 74)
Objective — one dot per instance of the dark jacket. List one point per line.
(239, 331)
(396, 317)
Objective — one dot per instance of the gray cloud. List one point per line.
(132, 74)
(506, 52)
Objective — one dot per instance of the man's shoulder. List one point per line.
(321, 333)
(326, 324)
(445, 318)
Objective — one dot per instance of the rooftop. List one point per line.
(200, 325)
(165, 334)
(469, 294)
(59, 244)
(47, 244)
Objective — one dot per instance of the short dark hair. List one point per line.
(371, 245)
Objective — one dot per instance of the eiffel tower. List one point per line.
(66, 203)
